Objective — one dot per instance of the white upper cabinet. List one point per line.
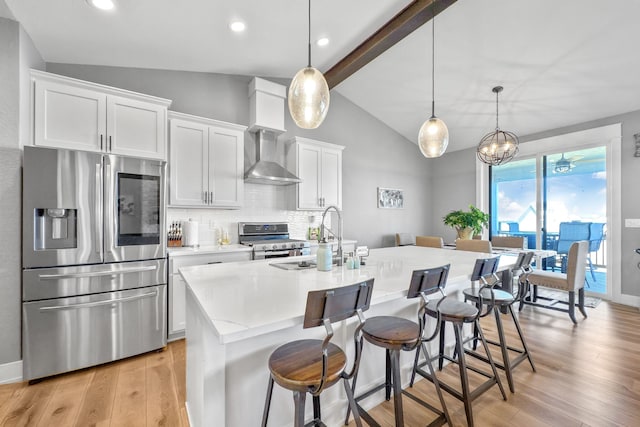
(319, 166)
(206, 162)
(74, 114)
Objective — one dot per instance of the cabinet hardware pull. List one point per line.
(206, 197)
(100, 142)
(110, 145)
(210, 197)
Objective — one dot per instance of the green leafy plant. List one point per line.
(474, 219)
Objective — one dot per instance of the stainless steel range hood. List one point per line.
(266, 122)
(266, 170)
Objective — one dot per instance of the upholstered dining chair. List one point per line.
(405, 239)
(517, 242)
(570, 232)
(473, 245)
(571, 281)
(430, 241)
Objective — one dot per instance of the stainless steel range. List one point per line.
(271, 240)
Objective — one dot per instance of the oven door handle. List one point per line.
(99, 303)
(275, 253)
(96, 273)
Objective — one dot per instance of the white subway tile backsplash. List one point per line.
(262, 203)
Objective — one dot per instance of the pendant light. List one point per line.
(434, 135)
(308, 94)
(499, 146)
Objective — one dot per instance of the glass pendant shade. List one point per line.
(308, 98)
(497, 147)
(433, 138)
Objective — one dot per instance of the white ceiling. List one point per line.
(560, 62)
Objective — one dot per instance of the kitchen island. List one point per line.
(238, 313)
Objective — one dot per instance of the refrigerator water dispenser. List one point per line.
(55, 228)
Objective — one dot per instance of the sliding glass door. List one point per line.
(549, 196)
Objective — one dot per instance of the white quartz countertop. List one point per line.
(246, 299)
(204, 250)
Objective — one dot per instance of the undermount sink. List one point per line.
(294, 265)
(299, 265)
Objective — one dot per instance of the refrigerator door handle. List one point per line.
(98, 206)
(99, 303)
(96, 273)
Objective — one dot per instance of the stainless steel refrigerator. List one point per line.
(93, 251)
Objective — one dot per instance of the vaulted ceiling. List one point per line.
(560, 62)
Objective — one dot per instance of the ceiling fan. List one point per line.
(565, 165)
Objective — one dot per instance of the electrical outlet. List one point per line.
(632, 222)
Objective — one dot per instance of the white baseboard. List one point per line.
(186, 405)
(11, 372)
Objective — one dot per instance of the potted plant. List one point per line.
(467, 223)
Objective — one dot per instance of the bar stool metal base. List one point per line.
(502, 302)
(467, 396)
(396, 335)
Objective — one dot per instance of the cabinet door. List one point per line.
(177, 314)
(136, 128)
(69, 117)
(309, 160)
(331, 177)
(226, 167)
(189, 165)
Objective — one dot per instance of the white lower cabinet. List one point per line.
(176, 298)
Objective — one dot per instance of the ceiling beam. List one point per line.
(412, 17)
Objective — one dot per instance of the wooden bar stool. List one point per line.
(396, 334)
(496, 300)
(459, 313)
(310, 366)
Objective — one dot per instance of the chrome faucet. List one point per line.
(339, 235)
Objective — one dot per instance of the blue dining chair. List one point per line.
(596, 236)
(570, 232)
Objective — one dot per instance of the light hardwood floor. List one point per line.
(587, 375)
(146, 390)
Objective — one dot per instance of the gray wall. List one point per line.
(453, 187)
(453, 183)
(10, 203)
(375, 156)
(16, 53)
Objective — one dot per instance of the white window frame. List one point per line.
(611, 137)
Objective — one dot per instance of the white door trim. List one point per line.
(611, 137)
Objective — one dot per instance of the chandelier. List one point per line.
(499, 146)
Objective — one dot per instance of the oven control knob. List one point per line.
(284, 246)
(274, 247)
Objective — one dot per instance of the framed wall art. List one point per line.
(390, 198)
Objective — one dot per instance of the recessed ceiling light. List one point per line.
(237, 26)
(102, 4)
(323, 41)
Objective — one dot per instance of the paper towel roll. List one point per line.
(190, 232)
